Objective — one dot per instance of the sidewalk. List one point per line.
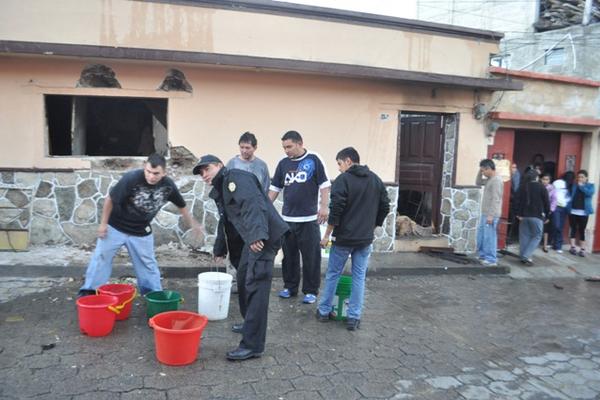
(552, 265)
(422, 338)
(66, 261)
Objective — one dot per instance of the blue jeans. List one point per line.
(531, 230)
(141, 252)
(337, 259)
(487, 240)
(558, 224)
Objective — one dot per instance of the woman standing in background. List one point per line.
(562, 191)
(580, 208)
(546, 178)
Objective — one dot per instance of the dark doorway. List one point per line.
(106, 126)
(419, 168)
(533, 148)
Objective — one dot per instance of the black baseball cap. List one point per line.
(205, 160)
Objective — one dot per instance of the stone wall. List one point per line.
(66, 207)
(461, 206)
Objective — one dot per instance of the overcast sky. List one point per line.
(396, 8)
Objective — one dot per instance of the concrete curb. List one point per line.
(30, 271)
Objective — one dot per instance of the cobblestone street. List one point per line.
(421, 338)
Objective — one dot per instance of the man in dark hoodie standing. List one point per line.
(359, 203)
(243, 205)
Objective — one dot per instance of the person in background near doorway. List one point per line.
(537, 161)
(359, 203)
(303, 175)
(515, 178)
(534, 207)
(242, 201)
(580, 208)
(127, 215)
(548, 230)
(549, 168)
(562, 192)
(491, 210)
(515, 182)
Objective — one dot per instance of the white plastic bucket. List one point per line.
(214, 290)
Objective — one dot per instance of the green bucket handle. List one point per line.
(118, 308)
(181, 300)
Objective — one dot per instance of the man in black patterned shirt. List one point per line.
(127, 214)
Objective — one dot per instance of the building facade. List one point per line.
(552, 47)
(91, 88)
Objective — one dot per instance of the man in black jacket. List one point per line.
(359, 202)
(532, 212)
(243, 204)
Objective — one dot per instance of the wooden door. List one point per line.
(504, 145)
(569, 159)
(569, 153)
(420, 158)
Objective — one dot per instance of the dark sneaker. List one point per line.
(352, 324)
(241, 354)
(237, 328)
(86, 292)
(324, 318)
(581, 253)
(573, 251)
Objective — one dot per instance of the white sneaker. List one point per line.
(489, 264)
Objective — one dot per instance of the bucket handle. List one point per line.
(118, 308)
(203, 324)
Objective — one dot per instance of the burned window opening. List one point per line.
(106, 126)
(99, 76)
(175, 81)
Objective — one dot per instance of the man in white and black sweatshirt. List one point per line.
(359, 203)
(303, 176)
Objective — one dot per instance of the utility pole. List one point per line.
(587, 12)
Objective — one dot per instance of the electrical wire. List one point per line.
(467, 13)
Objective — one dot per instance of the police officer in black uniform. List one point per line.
(243, 204)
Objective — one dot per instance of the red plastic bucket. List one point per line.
(126, 293)
(177, 336)
(97, 314)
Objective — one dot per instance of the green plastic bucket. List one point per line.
(161, 301)
(342, 297)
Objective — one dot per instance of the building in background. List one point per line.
(90, 88)
(554, 48)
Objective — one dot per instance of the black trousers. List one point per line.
(254, 276)
(303, 239)
(577, 225)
